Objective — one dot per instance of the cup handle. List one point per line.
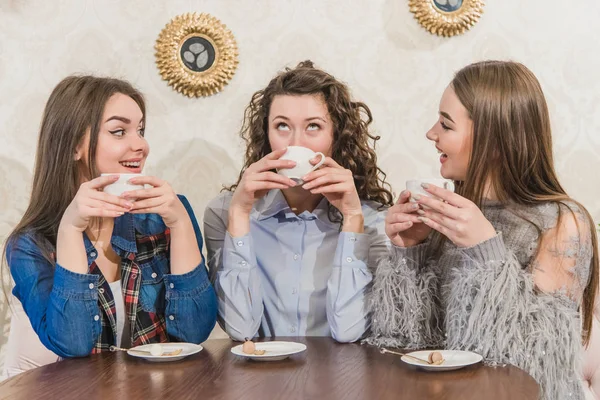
(320, 162)
(449, 185)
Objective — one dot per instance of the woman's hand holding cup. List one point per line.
(336, 183)
(159, 199)
(91, 202)
(256, 182)
(402, 224)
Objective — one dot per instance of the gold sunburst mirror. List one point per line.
(196, 54)
(447, 17)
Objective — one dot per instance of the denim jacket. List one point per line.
(74, 314)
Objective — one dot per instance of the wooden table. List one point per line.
(326, 370)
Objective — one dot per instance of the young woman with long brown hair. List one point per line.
(294, 259)
(507, 266)
(92, 269)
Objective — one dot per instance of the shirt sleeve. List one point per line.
(61, 305)
(191, 304)
(233, 267)
(355, 259)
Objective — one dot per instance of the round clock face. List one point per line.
(197, 54)
(448, 5)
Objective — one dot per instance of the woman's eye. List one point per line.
(118, 132)
(444, 126)
(313, 127)
(142, 132)
(282, 127)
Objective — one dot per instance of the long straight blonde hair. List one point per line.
(511, 124)
(75, 106)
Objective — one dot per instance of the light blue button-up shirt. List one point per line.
(292, 275)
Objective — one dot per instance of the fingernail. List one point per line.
(424, 185)
(128, 204)
(293, 183)
(414, 206)
(120, 212)
(420, 212)
(417, 197)
(423, 219)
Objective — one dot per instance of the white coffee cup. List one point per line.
(122, 184)
(414, 186)
(302, 156)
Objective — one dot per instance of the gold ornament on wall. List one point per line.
(447, 17)
(196, 54)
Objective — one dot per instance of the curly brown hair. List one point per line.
(351, 137)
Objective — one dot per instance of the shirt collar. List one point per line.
(123, 236)
(274, 202)
(271, 204)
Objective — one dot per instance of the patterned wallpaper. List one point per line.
(376, 46)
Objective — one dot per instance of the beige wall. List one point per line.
(376, 46)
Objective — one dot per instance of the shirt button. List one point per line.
(91, 285)
(243, 263)
(171, 285)
(154, 275)
(353, 239)
(171, 317)
(292, 329)
(240, 243)
(349, 259)
(96, 317)
(296, 256)
(294, 291)
(93, 254)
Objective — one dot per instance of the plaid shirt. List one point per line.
(74, 314)
(146, 327)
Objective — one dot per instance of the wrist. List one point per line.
(238, 213)
(353, 222)
(67, 227)
(239, 222)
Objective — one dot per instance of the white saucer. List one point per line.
(453, 359)
(274, 351)
(187, 350)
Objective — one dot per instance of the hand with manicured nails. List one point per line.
(160, 199)
(90, 202)
(455, 217)
(402, 224)
(258, 179)
(336, 183)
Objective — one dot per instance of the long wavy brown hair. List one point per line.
(75, 106)
(353, 145)
(511, 125)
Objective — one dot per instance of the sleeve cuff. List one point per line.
(487, 251)
(196, 279)
(414, 255)
(238, 252)
(72, 284)
(353, 249)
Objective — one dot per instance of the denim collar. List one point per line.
(122, 240)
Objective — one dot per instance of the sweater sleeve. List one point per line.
(403, 301)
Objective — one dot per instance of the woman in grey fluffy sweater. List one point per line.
(507, 266)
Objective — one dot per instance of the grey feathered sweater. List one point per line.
(483, 298)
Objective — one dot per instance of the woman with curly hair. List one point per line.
(294, 259)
